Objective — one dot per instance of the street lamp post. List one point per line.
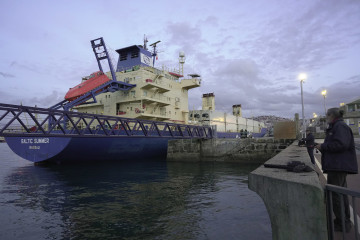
(324, 94)
(302, 77)
(314, 121)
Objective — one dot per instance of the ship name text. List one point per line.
(34, 140)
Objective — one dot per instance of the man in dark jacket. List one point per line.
(338, 159)
(310, 144)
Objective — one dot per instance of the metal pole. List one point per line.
(253, 123)
(302, 103)
(237, 123)
(325, 105)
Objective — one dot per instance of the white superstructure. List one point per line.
(224, 122)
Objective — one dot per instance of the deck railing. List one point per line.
(343, 193)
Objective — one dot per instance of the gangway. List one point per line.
(89, 125)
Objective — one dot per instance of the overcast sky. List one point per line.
(247, 52)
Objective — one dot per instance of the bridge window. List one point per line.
(123, 56)
(135, 54)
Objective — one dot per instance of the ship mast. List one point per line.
(145, 41)
(154, 53)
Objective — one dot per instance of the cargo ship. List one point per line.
(127, 113)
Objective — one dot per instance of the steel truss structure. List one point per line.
(25, 121)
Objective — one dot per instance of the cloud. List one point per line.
(44, 101)
(342, 91)
(25, 66)
(184, 35)
(7, 75)
(210, 21)
(244, 69)
(315, 37)
(274, 100)
(278, 49)
(4, 97)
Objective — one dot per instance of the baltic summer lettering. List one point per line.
(34, 140)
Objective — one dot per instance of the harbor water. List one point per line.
(138, 200)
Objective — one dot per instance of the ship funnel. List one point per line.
(237, 110)
(208, 101)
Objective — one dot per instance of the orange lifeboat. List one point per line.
(95, 80)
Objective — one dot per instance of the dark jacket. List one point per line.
(310, 141)
(338, 150)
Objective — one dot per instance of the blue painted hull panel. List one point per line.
(63, 149)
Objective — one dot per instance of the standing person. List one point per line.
(310, 143)
(245, 133)
(338, 158)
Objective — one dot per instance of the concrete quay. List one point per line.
(295, 201)
(249, 150)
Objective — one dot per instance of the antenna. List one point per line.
(145, 41)
(154, 51)
(181, 62)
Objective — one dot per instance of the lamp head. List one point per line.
(323, 93)
(302, 76)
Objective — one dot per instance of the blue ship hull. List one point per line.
(73, 149)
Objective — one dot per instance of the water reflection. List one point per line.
(149, 200)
